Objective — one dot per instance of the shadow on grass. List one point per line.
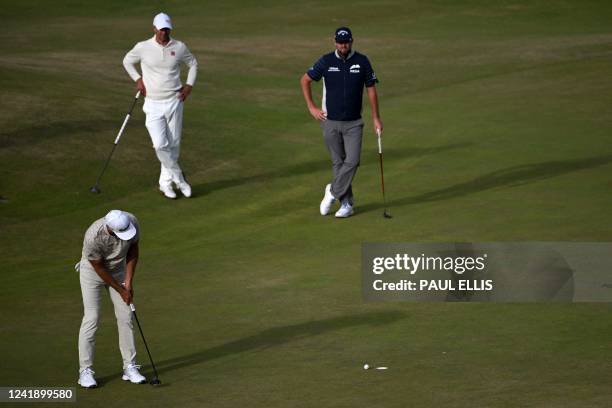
(268, 338)
(318, 165)
(509, 177)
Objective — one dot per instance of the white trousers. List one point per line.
(92, 287)
(165, 124)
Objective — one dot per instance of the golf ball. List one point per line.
(366, 366)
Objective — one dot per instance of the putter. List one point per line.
(382, 175)
(95, 188)
(155, 381)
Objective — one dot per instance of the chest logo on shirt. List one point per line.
(333, 69)
(173, 53)
(355, 69)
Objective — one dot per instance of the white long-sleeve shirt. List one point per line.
(160, 66)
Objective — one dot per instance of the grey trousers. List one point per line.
(343, 141)
(92, 287)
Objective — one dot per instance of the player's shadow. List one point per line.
(270, 338)
(315, 166)
(509, 177)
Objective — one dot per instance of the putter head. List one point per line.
(155, 382)
(387, 215)
(95, 190)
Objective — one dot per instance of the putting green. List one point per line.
(498, 128)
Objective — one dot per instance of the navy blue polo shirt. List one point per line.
(343, 82)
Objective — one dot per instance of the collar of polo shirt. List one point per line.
(170, 41)
(348, 57)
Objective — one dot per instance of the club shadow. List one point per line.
(504, 178)
(271, 337)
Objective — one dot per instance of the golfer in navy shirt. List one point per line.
(345, 73)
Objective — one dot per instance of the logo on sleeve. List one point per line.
(355, 69)
(333, 69)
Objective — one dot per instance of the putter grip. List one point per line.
(132, 307)
(379, 144)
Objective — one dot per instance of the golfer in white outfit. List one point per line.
(160, 58)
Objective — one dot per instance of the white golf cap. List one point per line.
(162, 20)
(120, 224)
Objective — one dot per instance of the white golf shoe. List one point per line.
(86, 378)
(168, 192)
(132, 375)
(328, 200)
(346, 210)
(185, 189)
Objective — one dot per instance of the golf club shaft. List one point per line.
(382, 178)
(382, 173)
(143, 338)
(116, 142)
(105, 165)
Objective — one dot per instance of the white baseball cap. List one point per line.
(120, 224)
(162, 20)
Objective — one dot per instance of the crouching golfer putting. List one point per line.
(109, 257)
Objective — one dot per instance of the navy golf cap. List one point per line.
(343, 35)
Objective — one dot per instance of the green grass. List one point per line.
(498, 128)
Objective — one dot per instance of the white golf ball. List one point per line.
(366, 366)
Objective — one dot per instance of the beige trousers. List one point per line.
(92, 287)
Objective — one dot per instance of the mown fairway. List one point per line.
(498, 128)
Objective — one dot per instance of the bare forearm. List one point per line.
(105, 276)
(130, 265)
(307, 91)
(373, 97)
(316, 113)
